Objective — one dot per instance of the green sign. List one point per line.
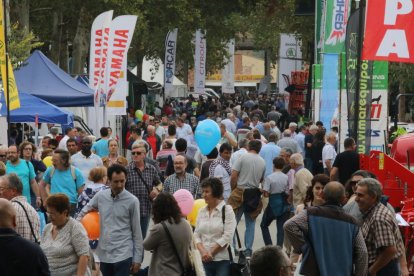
(336, 17)
(317, 76)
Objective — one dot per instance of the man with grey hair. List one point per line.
(229, 122)
(273, 114)
(270, 261)
(27, 220)
(333, 236)
(313, 129)
(153, 140)
(288, 142)
(380, 231)
(275, 129)
(329, 153)
(303, 179)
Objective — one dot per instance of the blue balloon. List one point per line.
(207, 135)
(136, 120)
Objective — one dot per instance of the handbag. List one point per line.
(241, 268)
(190, 271)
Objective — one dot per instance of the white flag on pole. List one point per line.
(200, 62)
(169, 62)
(227, 74)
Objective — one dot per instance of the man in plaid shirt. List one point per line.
(143, 182)
(181, 179)
(11, 189)
(386, 253)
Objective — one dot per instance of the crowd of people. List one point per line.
(331, 217)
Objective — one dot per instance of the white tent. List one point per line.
(153, 71)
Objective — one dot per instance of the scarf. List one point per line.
(219, 161)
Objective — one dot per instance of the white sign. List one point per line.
(200, 62)
(227, 74)
(290, 58)
(169, 64)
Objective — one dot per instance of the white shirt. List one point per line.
(328, 153)
(222, 174)
(184, 131)
(160, 131)
(230, 126)
(210, 229)
(62, 143)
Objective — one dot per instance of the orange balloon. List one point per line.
(91, 224)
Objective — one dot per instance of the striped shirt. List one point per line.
(138, 188)
(22, 224)
(189, 182)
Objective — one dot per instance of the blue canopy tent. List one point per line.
(30, 106)
(42, 78)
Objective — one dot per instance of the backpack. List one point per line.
(72, 171)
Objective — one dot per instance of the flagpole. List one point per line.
(7, 73)
(359, 63)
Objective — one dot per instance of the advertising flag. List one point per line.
(336, 18)
(120, 36)
(169, 63)
(10, 88)
(389, 31)
(98, 54)
(290, 57)
(227, 79)
(319, 27)
(200, 62)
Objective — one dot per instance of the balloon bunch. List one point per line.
(188, 206)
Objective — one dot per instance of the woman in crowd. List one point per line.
(99, 178)
(64, 240)
(212, 236)
(27, 152)
(114, 157)
(166, 213)
(314, 192)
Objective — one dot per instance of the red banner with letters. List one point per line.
(389, 31)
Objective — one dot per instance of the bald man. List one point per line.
(337, 242)
(153, 139)
(181, 179)
(18, 256)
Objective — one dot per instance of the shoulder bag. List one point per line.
(190, 271)
(30, 223)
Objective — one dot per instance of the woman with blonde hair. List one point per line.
(114, 157)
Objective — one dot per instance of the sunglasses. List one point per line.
(137, 153)
(2, 155)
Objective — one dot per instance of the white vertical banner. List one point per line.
(169, 62)
(97, 62)
(290, 58)
(227, 74)
(120, 36)
(98, 52)
(200, 62)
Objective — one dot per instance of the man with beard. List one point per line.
(85, 160)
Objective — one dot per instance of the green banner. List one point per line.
(319, 27)
(336, 17)
(317, 76)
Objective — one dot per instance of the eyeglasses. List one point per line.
(2, 155)
(137, 153)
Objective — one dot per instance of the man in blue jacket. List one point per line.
(328, 238)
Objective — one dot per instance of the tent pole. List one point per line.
(7, 72)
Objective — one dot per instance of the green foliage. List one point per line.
(20, 44)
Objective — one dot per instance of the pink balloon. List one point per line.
(185, 201)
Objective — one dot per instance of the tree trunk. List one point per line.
(80, 43)
(21, 8)
(54, 49)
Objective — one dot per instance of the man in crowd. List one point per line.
(220, 168)
(380, 231)
(18, 256)
(181, 179)
(229, 123)
(143, 182)
(288, 142)
(191, 167)
(154, 140)
(247, 174)
(242, 150)
(270, 261)
(3, 154)
(100, 148)
(26, 216)
(308, 146)
(227, 136)
(63, 178)
(329, 153)
(292, 127)
(300, 138)
(269, 152)
(346, 163)
(120, 247)
(274, 115)
(319, 228)
(85, 160)
(72, 146)
(183, 130)
(25, 171)
(69, 133)
(303, 179)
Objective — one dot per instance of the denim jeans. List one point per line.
(249, 233)
(121, 268)
(308, 163)
(267, 219)
(219, 268)
(144, 221)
